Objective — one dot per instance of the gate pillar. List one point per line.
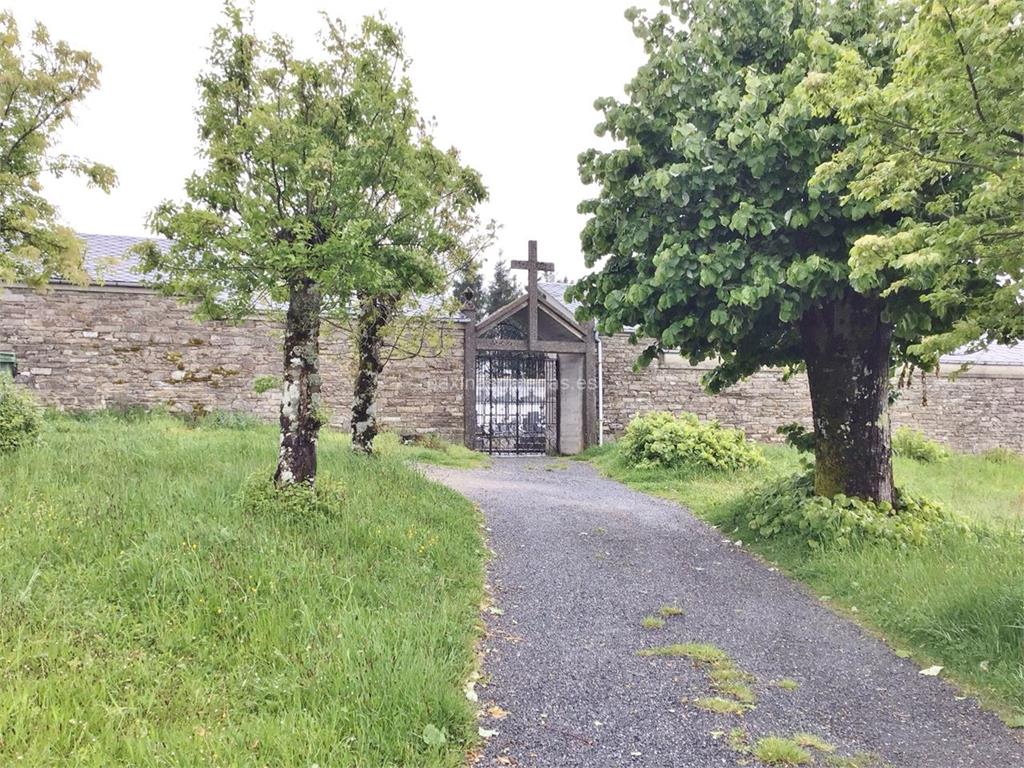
(469, 374)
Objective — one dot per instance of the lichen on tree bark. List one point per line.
(300, 393)
(375, 313)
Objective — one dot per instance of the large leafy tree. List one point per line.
(712, 239)
(40, 84)
(939, 144)
(321, 184)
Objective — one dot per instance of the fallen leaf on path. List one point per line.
(497, 712)
(931, 671)
(486, 733)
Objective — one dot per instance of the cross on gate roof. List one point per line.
(532, 266)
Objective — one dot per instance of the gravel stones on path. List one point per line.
(580, 560)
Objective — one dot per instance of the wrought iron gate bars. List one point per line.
(517, 402)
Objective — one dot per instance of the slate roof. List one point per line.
(108, 262)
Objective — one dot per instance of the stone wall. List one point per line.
(89, 348)
(980, 409)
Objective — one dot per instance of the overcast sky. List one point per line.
(511, 84)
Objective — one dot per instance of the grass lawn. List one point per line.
(958, 603)
(146, 621)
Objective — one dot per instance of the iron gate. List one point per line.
(516, 402)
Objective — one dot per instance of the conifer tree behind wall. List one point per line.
(503, 287)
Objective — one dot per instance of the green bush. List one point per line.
(660, 439)
(20, 416)
(911, 444)
(788, 508)
(259, 497)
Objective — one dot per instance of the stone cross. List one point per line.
(532, 267)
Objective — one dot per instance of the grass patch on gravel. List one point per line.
(732, 684)
(652, 622)
(146, 621)
(956, 602)
(719, 705)
(703, 652)
(777, 750)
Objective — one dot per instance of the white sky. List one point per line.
(511, 84)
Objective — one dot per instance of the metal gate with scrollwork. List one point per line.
(516, 402)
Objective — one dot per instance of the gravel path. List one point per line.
(580, 560)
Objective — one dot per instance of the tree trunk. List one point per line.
(300, 396)
(847, 349)
(374, 315)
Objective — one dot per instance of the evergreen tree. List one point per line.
(503, 287)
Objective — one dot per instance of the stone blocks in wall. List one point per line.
(91, 348)
(971, 412)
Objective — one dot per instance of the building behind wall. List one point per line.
(117, 343)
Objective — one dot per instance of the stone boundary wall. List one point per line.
(91, 348)
(98, 347)
(976, 410)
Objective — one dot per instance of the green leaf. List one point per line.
(433, 736)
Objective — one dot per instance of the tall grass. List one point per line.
(145, 620)
(957, 602)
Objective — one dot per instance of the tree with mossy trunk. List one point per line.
(714, 241)
(42, 82)
(403, 317)
(313, 188)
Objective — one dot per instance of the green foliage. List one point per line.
(797, 436)
(789, 508)
(315, 168)
(719, 705)
(128, 565)
(263, 384)
(259, 496)
(914, 445)
(20, 416)
(660, 439)
(40, 88)
(935, 145)
(469, 277)
(712, 242)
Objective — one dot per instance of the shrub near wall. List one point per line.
(662, 440)
(20, 416)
